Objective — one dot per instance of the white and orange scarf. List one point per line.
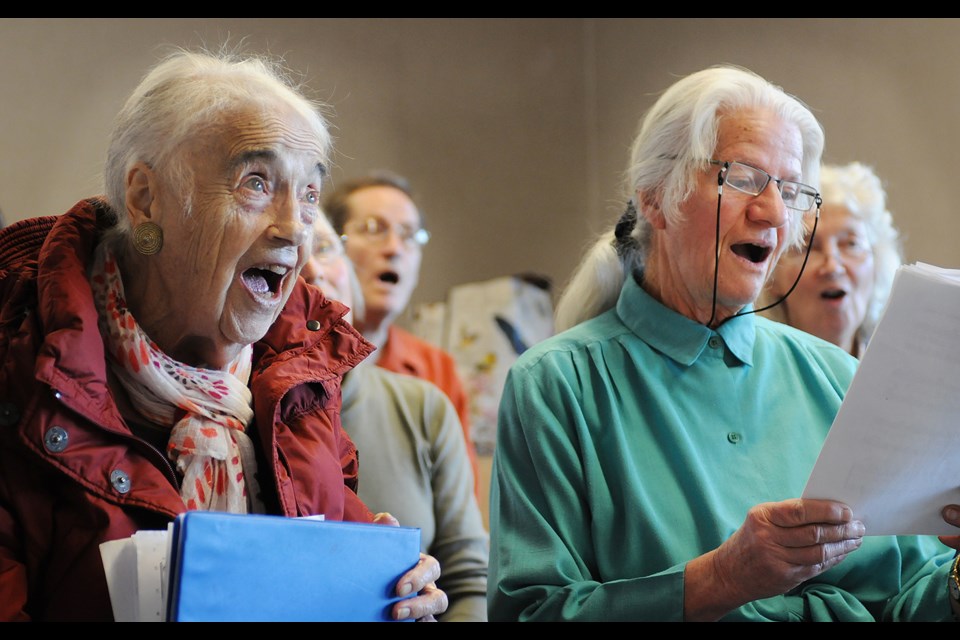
(206, 410)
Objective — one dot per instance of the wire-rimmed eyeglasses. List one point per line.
(378, 230)
(752, 181)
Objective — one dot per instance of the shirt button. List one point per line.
(714, 342)
(734, 438)
(56, 439)
(313, 325)
(120, 480)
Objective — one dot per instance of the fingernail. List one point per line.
(403, 614)
(405, 589)
(951, 513)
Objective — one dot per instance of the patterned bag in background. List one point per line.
(485, 326)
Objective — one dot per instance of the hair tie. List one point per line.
(622, 238)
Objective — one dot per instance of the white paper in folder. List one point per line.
(893, 452)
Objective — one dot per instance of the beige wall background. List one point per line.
(514, 132)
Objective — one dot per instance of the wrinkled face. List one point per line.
(227, 268)
(327, 267)
(752, 228)
(833, 294)
(388, 267)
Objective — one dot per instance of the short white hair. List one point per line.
(187, 94)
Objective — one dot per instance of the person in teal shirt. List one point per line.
(649, 458)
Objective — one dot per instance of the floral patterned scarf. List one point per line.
(207, 411)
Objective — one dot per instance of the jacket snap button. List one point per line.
(9, 414)
(313, 325)
(56, 439)
(120, 480)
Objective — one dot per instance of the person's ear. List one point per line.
(649, 205)
(140, 194)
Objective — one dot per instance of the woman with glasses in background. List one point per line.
(854, 255)
(650, 457)
(383, 235)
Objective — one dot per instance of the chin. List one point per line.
(387, 309)
(240, 332)
(738, 299)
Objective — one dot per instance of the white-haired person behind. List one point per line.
(855, 254)
(649, 458)
(411, 449)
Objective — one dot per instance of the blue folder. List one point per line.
(256, 568)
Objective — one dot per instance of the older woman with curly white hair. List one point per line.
(854, 255)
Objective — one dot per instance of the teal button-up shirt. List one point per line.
(638, 440)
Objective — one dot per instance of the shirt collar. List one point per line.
(677, 336)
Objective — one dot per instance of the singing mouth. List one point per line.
(833, 294)
(265, 279)
(753, 252)
(390, 277)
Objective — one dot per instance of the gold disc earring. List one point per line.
(148, 238)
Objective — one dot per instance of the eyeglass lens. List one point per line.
(378, 229)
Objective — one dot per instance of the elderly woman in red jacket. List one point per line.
(160, 352)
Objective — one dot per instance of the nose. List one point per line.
(768, 207)
(830, 263)
(393, 242)
(288, 224)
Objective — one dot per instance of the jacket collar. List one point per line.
(71, 359)
(311, 332)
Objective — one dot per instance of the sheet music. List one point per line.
(893, 452)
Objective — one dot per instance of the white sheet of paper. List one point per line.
(120, 566)
(893, 452)
(136, 570)
(152, 548)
